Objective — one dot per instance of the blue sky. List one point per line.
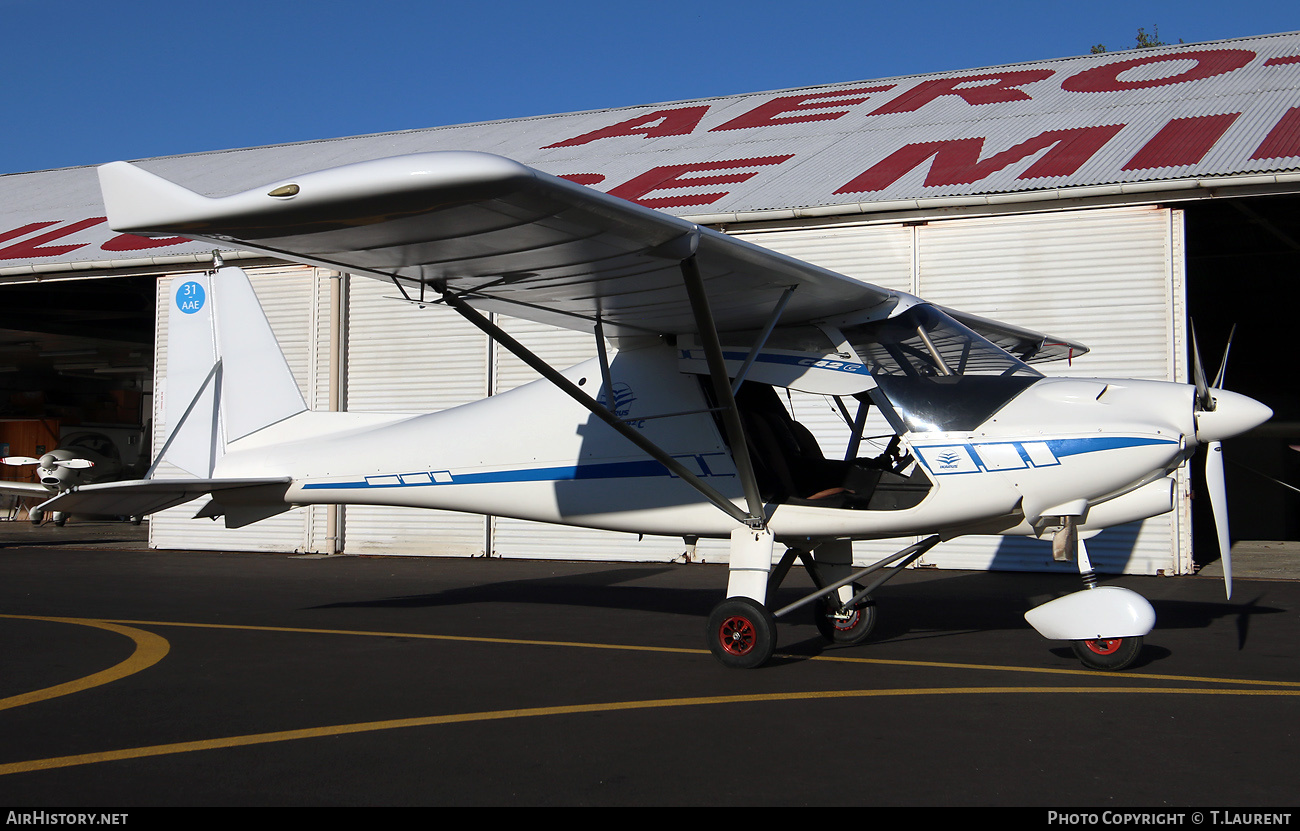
(90, 82)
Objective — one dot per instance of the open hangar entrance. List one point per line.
(76, 363)
(1243, 270)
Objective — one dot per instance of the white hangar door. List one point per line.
(296, 302)
(402, 358)
(1110, 278)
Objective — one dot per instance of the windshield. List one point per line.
(935, 373)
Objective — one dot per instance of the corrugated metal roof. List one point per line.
(1175, 114)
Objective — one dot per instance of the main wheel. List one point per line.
(853, 627)
(1108, 654)
(741, 633)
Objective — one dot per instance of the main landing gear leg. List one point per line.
(839, 601)
(839, 618)
(742, 632)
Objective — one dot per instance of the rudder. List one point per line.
(226, 374)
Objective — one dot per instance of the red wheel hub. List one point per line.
(737, 635)
(845, 624)
(1105, 646)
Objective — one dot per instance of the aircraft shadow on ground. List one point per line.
(923, 605)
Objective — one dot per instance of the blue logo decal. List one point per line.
(190, 297)
(623, 399)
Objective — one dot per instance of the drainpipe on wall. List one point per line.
(334, 513)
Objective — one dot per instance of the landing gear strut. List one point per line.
(742, 632)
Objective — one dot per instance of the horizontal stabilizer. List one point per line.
(139, 497)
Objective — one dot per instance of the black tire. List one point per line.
(741, 633)
(1107, 654)
(845, 631)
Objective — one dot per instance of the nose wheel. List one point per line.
(741, 633)
(1108, 654)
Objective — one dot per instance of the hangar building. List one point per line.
(1111, 199)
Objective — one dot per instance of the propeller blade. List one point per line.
(20, 460)
(75, 464)
(1223, 365)
(1204, 401)
(1218, 493)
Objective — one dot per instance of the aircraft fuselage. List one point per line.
(1104, 448)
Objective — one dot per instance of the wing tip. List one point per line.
(137, 200)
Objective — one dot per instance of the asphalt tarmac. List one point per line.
(136, 678)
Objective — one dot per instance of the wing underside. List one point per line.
(509, 239)
(24, 489)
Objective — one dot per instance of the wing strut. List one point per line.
(722, 389)
(603, 413)
(762, 339)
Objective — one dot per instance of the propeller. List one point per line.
(73, 464)
(1214, 480)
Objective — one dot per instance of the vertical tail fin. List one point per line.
(226, 375)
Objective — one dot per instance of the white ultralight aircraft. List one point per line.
(80, 459)
(681, 432)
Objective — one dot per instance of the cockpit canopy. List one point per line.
(923, 342)
(924, 369)
(934, 373)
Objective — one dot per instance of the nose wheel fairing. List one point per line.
(1103, 612)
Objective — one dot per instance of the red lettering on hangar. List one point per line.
(677, 122)
(1206, 64)
(804, 108)
(38, 246)
(1062, 152)
(1183, 141)
(957, 161)
(673, 176)
(973, 89)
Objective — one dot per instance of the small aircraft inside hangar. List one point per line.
(76, 370)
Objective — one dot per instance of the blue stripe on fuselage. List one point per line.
(567, 473)
(1060, 448)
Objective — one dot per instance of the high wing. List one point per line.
(510, 239)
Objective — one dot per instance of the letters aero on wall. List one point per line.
(1055, 195)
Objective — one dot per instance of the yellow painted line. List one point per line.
(1091, 673)
(536, 712)
(149, 650)
(683, 650)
